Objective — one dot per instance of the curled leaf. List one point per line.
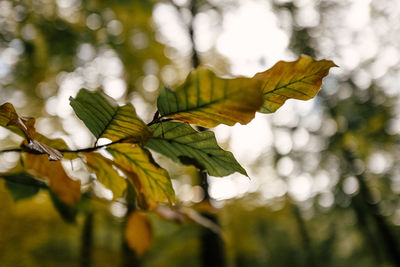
(25, 127)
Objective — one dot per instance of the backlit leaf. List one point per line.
(66, 189)
(207, 100)
(26, 127)
(105, 173)
(105, 119)
(300, 79)
(151, 182)
(183, 144)
(138, 232)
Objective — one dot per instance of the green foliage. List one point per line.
(105, 119)
(183, 144)
(22, 185)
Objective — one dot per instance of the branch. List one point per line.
(157, 119)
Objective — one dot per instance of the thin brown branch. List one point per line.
(155, 120)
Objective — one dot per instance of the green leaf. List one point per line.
(180, 142)
(22, 185)
(106, 174)
(207, 100)
(300, 79)
(105, 119)
(151, 182)
(67, 212)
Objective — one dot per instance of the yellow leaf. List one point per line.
(207, 100)
(152, 183)
(25, 127)
(66, 189)
(105, 173)
(300, 79)
(126, 125)
(138, 232)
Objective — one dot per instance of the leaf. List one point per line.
(25, 127)
(300, 79)
(138, 232)
(22, 185)
(66, 189)
(105, 119)
(207, 100)
(106, 174)
(67, 212)
(151, 182)
(183, 144)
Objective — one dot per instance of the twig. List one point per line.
(157, 119)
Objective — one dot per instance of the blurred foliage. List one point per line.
(354, 221)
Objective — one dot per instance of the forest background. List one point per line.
(324, 173)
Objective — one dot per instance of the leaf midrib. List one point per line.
(206, 105)
(288, 84)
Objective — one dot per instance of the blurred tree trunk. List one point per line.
(87, 241)
(384, 232)
(212, 246)
(305, 236)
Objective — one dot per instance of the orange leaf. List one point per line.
(138, 233)
(66, 189)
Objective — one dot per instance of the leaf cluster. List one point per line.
(203, 99)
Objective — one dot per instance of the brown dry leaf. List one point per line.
(66, 189)
(26, 128)
(138, 232)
